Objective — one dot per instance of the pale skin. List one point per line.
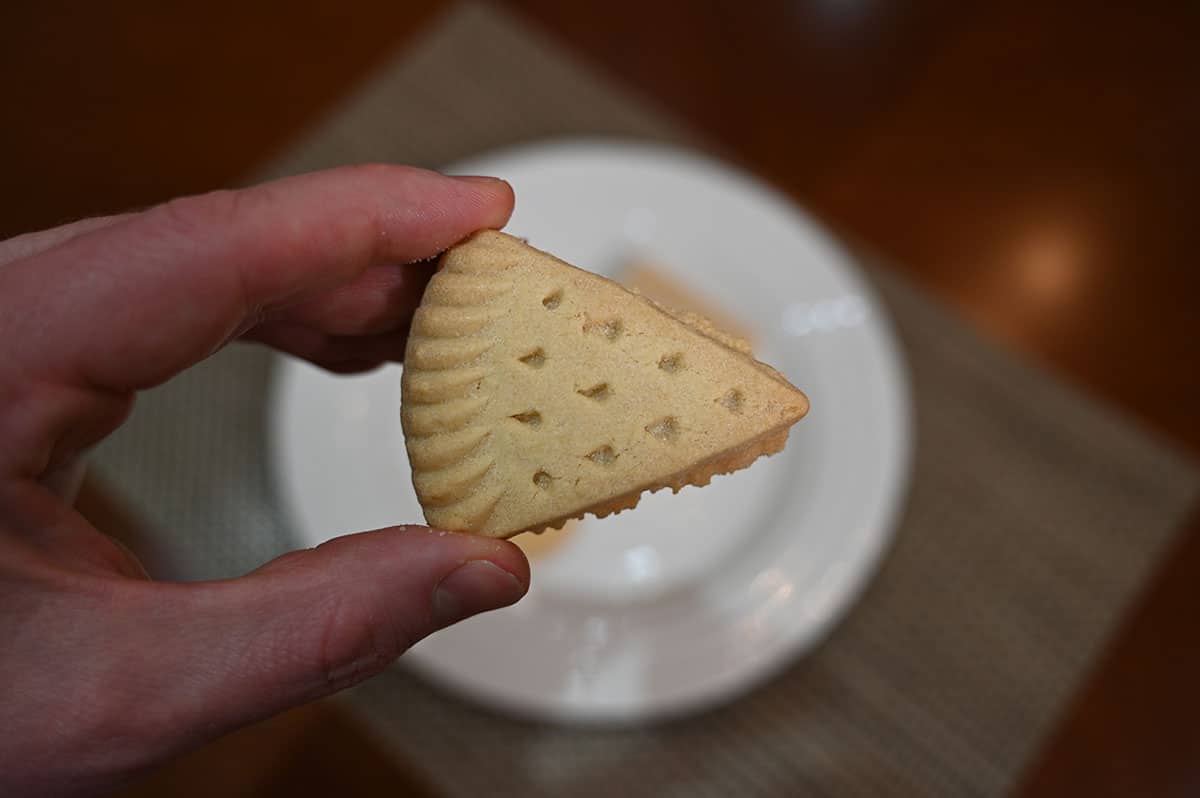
(105, 672)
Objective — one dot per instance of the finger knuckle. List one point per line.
(355, 643)
(201, 213)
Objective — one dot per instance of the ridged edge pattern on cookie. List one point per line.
(445, 371)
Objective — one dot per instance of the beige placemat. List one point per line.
(1034, 515)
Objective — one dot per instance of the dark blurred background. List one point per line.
(1035, 165)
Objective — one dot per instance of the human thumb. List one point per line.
(316, 621)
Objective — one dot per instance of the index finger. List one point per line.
(127, 306)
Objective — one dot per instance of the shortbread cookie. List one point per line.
(535, 392)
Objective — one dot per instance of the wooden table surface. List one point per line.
(1036, 165)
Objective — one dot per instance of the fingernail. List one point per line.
(477, 179)
(474, 587)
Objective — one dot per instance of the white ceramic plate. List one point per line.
(687, 600)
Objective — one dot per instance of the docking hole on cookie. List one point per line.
(665, 429)
(530, 418)
(610, 329)
(602, 456)
(599, 391)
(732, 401)
(536, 358)
(671, 363)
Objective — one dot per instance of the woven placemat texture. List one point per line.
(1034, 516)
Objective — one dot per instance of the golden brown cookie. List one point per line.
(535, 392)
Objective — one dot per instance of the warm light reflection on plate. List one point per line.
(538, 547)
(1050, 264)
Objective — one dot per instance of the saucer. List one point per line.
(688, 600)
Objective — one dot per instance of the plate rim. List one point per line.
(807, 636)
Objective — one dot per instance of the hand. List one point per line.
(104, 672)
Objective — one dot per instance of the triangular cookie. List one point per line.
(535, 392)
